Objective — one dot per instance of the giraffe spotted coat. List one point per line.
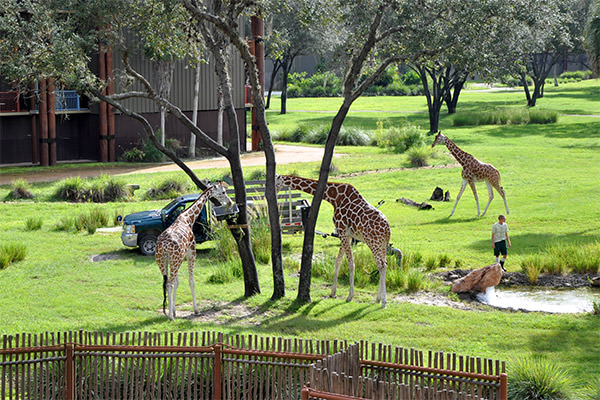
(353, 217)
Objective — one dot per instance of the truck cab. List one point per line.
(141, 229)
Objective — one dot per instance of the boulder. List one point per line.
(438, 194)
(478, 280)
(596, 281)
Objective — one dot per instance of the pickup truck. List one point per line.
(141, 229)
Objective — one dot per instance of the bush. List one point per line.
(167, 189)
(401, 139)
(11, 253)
(419, 156)
(592, 390)
(19, 189)
(90, 221)
(444, 260)
(261, 238)
(506, 116)
(225, 246)
(33, 224)
(134, 155)
(320, 84)
(538, 379)
(101, 190)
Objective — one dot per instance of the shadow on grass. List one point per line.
(533, 243)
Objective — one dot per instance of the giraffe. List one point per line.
(473, 171)
(353, 217)
(178, 242)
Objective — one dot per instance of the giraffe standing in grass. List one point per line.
(473, 171)
(353, 217)
(178, 242)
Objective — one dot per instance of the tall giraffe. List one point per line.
(353, 217)
(473, 171)
(178, 242)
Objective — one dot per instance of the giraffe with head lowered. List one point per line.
(353, 217)
(473, 171)
(178, 242)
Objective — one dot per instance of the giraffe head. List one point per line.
(278, 182)
(218, 191)
(439, 138)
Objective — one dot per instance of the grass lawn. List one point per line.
(550, 173)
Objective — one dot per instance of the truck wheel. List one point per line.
(148, 244)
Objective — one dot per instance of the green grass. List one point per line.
(550, 174)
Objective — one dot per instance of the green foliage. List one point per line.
(506, 116)
(19, 189)
(535, 378)
(419, 156)
(389, 83)
(572, 76)
(532, 266)
(11, 253)
(596, 311)
(399, 139)
(134, 155)
(100, 190)
(320, 84)
(151, 153)
(72, 190)
(225, 246)
(444, 260)
(90, 221)
(352, 136)
(33, 223)
(227, 272)
(261, 238)
(167, 189)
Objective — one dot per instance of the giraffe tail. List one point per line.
(164, 293)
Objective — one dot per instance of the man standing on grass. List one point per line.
(500, 239)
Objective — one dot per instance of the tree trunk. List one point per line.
(285, 70)
(309, 229)
(192, 148)
(276, 66)
(220, 118)
(530, 100)
(452, 96)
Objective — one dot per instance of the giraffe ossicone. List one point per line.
(473, 171)
(353, 217)
(178, 242)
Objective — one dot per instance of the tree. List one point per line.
(592, 37)
(225, 19)
(59, 46)
(298, 27)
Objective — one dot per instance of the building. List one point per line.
(40, 129)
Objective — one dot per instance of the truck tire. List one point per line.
(147, 244)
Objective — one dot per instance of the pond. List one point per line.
(541, 299)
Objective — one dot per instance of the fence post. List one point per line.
(503, 386)
(217, 376)
(304, 394)
(70, 371)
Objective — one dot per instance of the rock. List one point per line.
(478, 280)
(596, 281)
(447, 195)
(438, 194)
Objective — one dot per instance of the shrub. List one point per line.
(167, 189)
(444, 260)
(90, 221)
(412, 260)
(596, 311)
(66, 224)
(430, 264)
(261, 238)
(506, 116)
(225, 246)
(592, 390)
(19, 189)
(354, 137)
(419, 156)
(11, 253)
(537, 116)
(134, 155)
(257, 174)
(400, 139)
(33, 224)
(106, 189)
(416, 280)
(538, 379)
(320, 84)
(151, 153)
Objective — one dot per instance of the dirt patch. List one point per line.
(223, 313)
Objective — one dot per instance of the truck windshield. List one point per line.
(170, 205)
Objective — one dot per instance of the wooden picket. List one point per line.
(212, 365)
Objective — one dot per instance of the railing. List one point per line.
(9, 102)
(214, 366)
(67, 100)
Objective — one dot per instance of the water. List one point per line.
(547, 300)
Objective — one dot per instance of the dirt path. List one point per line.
(285, 154)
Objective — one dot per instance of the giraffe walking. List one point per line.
(353, 217)
(178, 242)
(473, 171)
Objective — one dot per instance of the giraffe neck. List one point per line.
(195, 209)
(461, 156)
(308, 186)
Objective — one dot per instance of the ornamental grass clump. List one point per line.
(19, 190)
(535, 378)
(33, 224)
(167, 189)
(11, 253)
(72, 190)
(419, 156)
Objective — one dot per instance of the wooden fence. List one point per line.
(202, 365)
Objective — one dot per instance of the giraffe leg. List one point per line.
(382, 267)
(170, 290)
(338, 262)
(490, 198)
(462, 189)
(173, 303)
(474, 189)
(503, 194)
(191, 257)
(346, 245)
